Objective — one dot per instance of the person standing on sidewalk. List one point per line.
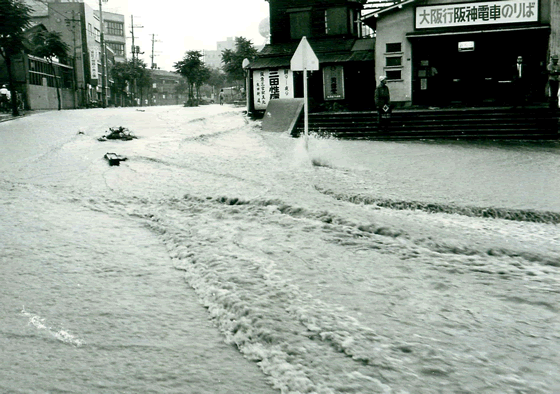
(5, 96)
(382, 99)
(553, 70)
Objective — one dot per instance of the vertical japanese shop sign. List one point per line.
(94, 70)
(333, 82)
(272, 84)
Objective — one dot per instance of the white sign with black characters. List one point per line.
(483, 13)
(272, 84)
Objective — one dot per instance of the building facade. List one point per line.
(114, 28)
(79, 26)
(455, 52)
(35, 79)
(345, 79)
(166, 88)
(214, 58)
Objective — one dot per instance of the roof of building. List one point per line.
(337, 50)
(166, 74)
(396, 5)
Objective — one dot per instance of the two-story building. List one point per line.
(165, 86)
(457, 52)
(346, 58)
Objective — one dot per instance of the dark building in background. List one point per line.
(346, 58)
(166, 88)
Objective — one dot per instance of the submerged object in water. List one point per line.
(114, 159)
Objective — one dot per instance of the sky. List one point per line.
(183, 26)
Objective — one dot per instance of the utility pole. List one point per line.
(135, 52)
(103, 65)
(71, 24)
(153, 53)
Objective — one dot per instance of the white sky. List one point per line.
(181, 26)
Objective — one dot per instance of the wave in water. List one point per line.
(59, 334)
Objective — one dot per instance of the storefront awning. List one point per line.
(440, 33)
(324, 58)
(338, 50)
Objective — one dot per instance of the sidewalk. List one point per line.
(5, 117)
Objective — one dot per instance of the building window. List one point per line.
(117, 48)
(393, 61)
(336, 21)
(393, 64)
(97, 34)
(393, 47)
(90, 29)
(115, 28)
(40, 72)
(300, 24)
(393, 74)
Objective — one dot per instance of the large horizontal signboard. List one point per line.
(483, 13)
(272, 84)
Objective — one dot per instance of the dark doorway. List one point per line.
(481, 71)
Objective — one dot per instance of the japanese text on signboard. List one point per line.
(93, 59)
(333, 82)
(271, 84)
(484, 13)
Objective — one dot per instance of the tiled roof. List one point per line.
(336, 50)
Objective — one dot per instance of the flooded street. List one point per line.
(222, 259)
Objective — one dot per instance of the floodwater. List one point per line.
(221, 259)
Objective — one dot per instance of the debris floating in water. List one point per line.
(118, 133)
(114, 159)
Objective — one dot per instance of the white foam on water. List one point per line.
(60, 334)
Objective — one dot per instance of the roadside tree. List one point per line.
(143, 80)
(15, 17)
(233, 60)
(132, 73)
(49, 45)
(196, 72)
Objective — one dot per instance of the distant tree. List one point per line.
(202, 77)
(217, 79)
(233, 59)
(48, 45)
(128, 72)
(144, 80)
(121, 73)
(15, 17)
(181, 88)
(196, 72)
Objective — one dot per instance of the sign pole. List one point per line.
(304, 59)
(305, 109)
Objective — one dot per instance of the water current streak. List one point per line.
(483, 212)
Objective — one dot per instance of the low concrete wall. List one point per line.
(43, 97)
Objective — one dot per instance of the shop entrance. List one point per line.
(477, 69)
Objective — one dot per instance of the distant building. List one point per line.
(166, 88)
(346, 58)
(115, 34)
(214, 58)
